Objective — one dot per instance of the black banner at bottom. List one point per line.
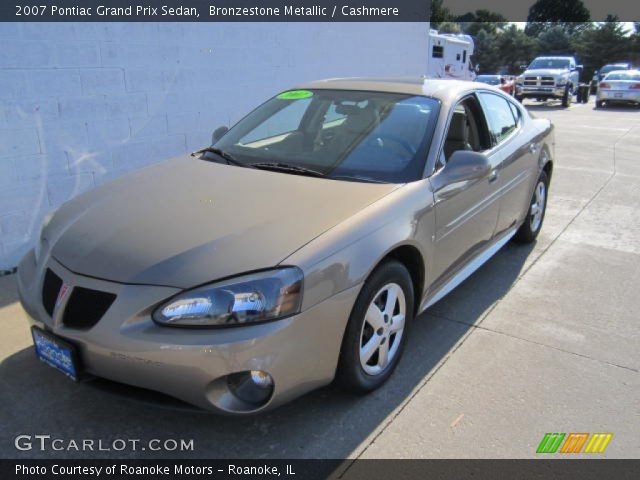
(319, 469)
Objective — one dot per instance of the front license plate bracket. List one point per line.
(56, 352)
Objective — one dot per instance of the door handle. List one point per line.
(533, 148)
(493, 176)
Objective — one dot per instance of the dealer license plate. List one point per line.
(55, 352)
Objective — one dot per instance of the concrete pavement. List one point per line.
(540, 339)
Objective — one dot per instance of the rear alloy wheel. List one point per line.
(532, 225)
(377, 329)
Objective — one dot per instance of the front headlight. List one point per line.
(253, 298)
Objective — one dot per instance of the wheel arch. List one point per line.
(413, 260)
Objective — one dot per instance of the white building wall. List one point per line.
(82, 103)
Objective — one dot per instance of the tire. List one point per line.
(599, 104)
(566, 97)
(532, 225)
(360, 332)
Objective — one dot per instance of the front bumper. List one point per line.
(300, 352)
(528, 91)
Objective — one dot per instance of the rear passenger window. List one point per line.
(499, 116)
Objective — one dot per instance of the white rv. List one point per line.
(449, 56)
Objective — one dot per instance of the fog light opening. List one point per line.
(254, 387)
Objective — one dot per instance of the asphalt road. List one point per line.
(540, 339)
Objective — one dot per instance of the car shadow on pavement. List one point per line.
(543, 106)
(327, 423)
(617, 108)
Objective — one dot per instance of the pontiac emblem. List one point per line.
(62, 294)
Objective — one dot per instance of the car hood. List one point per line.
(546, 72)
(187, 221)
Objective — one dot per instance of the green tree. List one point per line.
(635, 43)
(571, 15)
(449, 27)
(554, 41)
(485, 52)
(608, 42)
(439, 14)
(473, 22)
(516, 48)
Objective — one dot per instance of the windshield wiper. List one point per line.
(230, 159)
(287, 167)
(356, 179)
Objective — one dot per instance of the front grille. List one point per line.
(50, 290)
(539, 81)
(86, 307)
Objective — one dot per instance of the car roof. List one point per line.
(442, 89)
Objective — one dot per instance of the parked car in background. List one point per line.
(599, 75)
(295, 249)
(503, 82)
(550, 78)
(619, 86)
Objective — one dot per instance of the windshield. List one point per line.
(342, 134)
(549, 63)
(490, 79)
(632, 76)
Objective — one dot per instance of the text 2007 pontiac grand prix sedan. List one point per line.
(298, 248)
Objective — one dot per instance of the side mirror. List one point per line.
(595, 72)
(578, 68)
(523, 67)
(218, 133)
(465, 166)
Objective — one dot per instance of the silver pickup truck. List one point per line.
(550, 77)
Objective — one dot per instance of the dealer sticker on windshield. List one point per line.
(295, 95)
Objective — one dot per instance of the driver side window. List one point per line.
(466, 130)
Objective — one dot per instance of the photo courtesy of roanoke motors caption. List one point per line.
(153, 470)
(321, 239)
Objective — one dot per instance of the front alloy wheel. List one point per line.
(377, 329)
(382, 329)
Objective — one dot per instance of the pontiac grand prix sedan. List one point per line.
(298, 248)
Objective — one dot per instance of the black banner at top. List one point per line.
(215, 11)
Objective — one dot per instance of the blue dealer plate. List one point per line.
(55, 352)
